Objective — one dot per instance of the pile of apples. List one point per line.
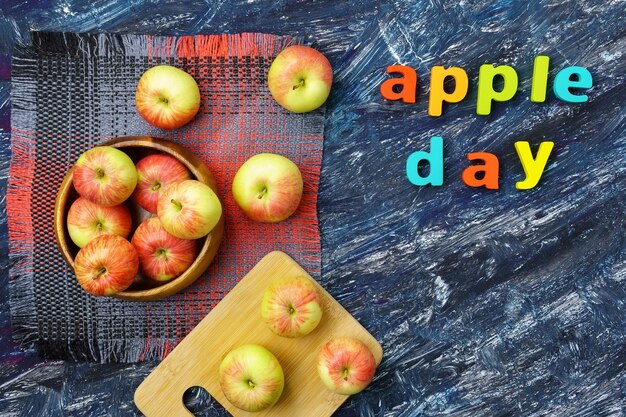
(99, 221)
(252, 378)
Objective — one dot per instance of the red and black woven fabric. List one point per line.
(72, 91)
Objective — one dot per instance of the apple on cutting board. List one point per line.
(251, 378)
(346, 365)
(291, 306)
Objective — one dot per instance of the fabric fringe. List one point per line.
(18, 202)
(103, 44)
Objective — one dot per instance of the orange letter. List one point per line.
(438, 94)
(489, 168)
(408, 83)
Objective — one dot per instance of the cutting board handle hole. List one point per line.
(198, 401)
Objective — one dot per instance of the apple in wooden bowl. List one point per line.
(153, 283)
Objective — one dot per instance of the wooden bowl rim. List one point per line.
(211, 243)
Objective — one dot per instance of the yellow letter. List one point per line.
(486, 92)
(533, 167)
(438, 94)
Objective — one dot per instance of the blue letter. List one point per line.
(563, 82)
(435, 160)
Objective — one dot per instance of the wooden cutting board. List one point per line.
(236, 321)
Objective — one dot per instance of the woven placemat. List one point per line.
(72, 91)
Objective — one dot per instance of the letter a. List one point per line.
(408, 82)
(489, 168)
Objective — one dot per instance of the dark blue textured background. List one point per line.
(488, 303)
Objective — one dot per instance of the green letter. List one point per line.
(540, 79)
(486, 93)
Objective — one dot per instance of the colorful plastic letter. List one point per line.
(438, 94)
(563, 82)
(533, 167)
(490, 169)
(540, 79)
(408, 82)
(486, 92)
(435, 160)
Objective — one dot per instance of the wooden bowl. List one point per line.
(144, 289)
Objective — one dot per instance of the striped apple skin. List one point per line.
(291, 307)
(346, 365)
(104, 175)
(167, 97)
(106, 265)
(251, 378)
(162, 256)
(87, 220)
(189, 209)
(155, 172)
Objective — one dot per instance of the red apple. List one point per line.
(189, 209)
(161, 255)
(167, 97)
(291, 306)
(106, 265)
(268, 187)
(104, 175)
(251, 378)
(300, 78)
(154, 172)
(87, 220)
(346, 365)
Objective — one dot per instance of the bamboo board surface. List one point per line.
(236, 321)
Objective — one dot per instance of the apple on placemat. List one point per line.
(300, 78)
(167, 97)
(268, 187)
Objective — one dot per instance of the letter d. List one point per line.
(435, 160)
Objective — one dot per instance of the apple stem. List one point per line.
(251, 384)
(300, 84)
(156, 186)
(262, 193)
(101, 272)
(344, 373)
(177, 204)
